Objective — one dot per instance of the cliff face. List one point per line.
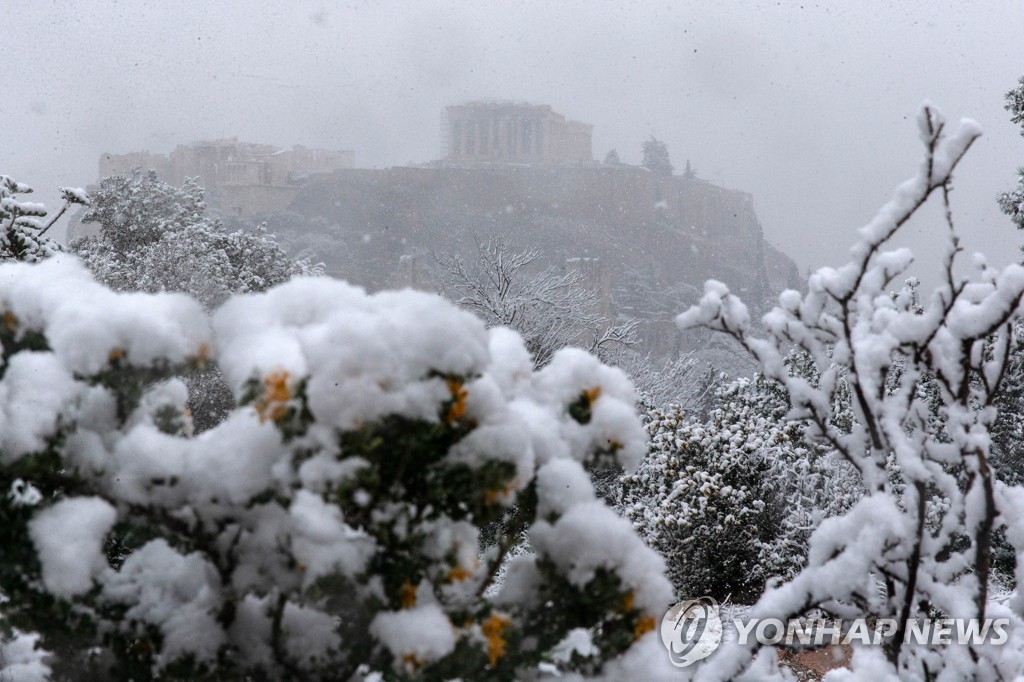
(657, 238)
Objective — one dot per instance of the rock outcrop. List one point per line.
(656, 238)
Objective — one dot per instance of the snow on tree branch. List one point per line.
(549, 308)
(21, 224)
(923, 378)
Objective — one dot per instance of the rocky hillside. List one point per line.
(657, 238)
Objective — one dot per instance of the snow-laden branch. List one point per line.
(550, 308)
(923, 377)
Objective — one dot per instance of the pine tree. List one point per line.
(1012, 202)
(656, 157)
(730, 501)
(22, 228)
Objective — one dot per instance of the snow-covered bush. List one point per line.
(329, 527)
(21, 659)
(729, 501)
(919, 543)
(1008, 429)
(156, 237)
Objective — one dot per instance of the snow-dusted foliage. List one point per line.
(1008, 428)
(155, 237)
(1012, 202)
(22, 228)
(21, 659)
(685, 381)
(919, 542)
(729, 501)
(550, 309)
(329, 527)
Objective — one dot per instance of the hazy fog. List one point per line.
(809, 107)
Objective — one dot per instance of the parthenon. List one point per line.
(492, 131)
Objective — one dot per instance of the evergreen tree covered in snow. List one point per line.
(329, 527)
(156, 237)
(730, 501)
(1012, 202)
(655, 158)
(1008, 428)
(22, 228)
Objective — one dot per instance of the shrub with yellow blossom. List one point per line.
(329, 527)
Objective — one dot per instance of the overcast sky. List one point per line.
(808, 106)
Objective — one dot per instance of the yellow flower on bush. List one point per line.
(201, 357)
(493, 629)
(627, 602)
(273, 404)
(644, 625)
(458, 409)
(407, 595)
(458, 574)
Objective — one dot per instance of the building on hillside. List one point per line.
(239, 177)
(492, 131)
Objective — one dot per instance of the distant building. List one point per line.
(513, 132)
(239, 177)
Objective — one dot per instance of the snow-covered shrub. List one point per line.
(329, 526)
(156, 237)
(919, 543)
(1008, 429)
(22, 228)
(729, 501)
(21, 659)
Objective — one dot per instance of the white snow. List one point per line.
(69, 538)
(591, 536)
(322, 543)
(424, 632)
(21, 659)
(269, 502)
(179, 594)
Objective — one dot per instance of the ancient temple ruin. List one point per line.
(492, 131)
(239, 177)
